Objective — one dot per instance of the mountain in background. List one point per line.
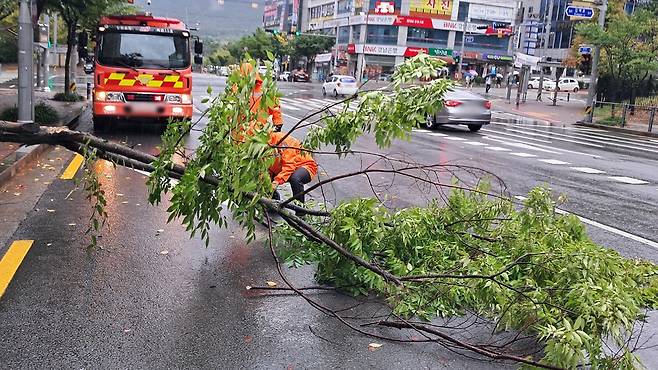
(233, 19)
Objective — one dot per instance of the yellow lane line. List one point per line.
(73, 167)
(11, 260)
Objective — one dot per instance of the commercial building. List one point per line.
(281, 15)
(373, 36)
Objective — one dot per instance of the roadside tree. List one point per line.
(469, 250)
(629, 51)
(308, 46)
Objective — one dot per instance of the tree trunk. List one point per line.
(632, 99)
(70, 45)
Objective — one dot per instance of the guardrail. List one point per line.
(623, 114)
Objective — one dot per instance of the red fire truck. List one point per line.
(143, 69)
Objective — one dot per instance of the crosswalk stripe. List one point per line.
(475, 143)
(291, 107)
(514, 135)
(438, 134)
(519, 144)
(497, 149)
(628, 180)
(524, 155)
(592, 171)
(553, 161)
(455, 138)
(555, 136)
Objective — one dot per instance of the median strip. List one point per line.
(73, 167)
(11, 261)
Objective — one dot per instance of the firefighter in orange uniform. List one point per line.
(254, 102)
(291, 165)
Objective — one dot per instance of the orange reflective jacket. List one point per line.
(254, 101)
(289, 158)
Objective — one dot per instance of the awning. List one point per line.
(321, 58)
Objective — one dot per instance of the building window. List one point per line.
(356, 34)
(327, 10)
(343, 35)
(387, 35)
(344, 6)
(463, 11)
(428, 36)
(316, 12)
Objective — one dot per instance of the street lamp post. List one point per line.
(546, 38)
(591, 91)
(25, 63)
(461, 53)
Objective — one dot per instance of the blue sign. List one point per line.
(585, 50)
(576, 11)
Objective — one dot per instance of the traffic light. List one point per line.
(457, 59)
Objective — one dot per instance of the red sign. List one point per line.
(413, 22)
(384, 7)
(471, 55)
(411, 51)
(498, 31)
(351, 49)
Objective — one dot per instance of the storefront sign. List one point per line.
(431, 8)
(413, 22)
(322, 58)
(521, 59)
(384, 7)
(413, 51)
(490, 12)
(470, 55)
(392, 50)
(496, 57)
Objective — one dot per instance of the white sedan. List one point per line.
(564, 84)
(340, 85)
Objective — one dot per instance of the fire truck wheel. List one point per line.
(101, 124)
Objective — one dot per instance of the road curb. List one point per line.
(26, 155)
(616, 129)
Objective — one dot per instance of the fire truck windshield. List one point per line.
(144, 50)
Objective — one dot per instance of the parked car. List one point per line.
(89, 67)
(564, 84)
(284, 76)
(300, 76)
(462, 107)
(533, 83)
(223, 71)
(340, 85)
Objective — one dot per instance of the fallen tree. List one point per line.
(468, 250)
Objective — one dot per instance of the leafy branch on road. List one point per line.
(470, 251)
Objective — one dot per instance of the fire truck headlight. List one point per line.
(100, 95)
(186, 99)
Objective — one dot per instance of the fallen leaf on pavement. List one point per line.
(49, 244)
(72, 224)
(124, 202)
(164, 252)
(126, 330)
(248, 287)
(374, 346)
(119, 194)
(271, 284)
(50, 210)
(17, 194)
(248, 338)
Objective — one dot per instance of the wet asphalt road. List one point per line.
(158, 299)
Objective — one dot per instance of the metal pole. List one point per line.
(461, 53)
(547, 32)
(46, 57)
(591, 91)
(25, 63)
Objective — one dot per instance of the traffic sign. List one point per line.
(585, 50)
(579, 12)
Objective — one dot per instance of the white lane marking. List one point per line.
(524, 155)
(290, 107)
(592, 171)
(455, 138)
(520, 145)
(553, 161)
(628, 180)
(552, 148)
(497, 149)
(436, 134)
(475, 143)
(589, 140)
(555, 136)
(611, 229)
(514, 135)
(421, 130)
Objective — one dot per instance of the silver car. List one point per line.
(461, 107)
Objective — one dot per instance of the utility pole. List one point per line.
(25, 63)
(591, 91)
(461, 53)
(546, 39)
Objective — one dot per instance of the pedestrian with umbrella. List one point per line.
(488, 81)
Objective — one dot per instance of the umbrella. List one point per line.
(471, 72)
(498, 75)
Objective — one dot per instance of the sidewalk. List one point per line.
(14, 157)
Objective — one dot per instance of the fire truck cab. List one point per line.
(143, 70)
